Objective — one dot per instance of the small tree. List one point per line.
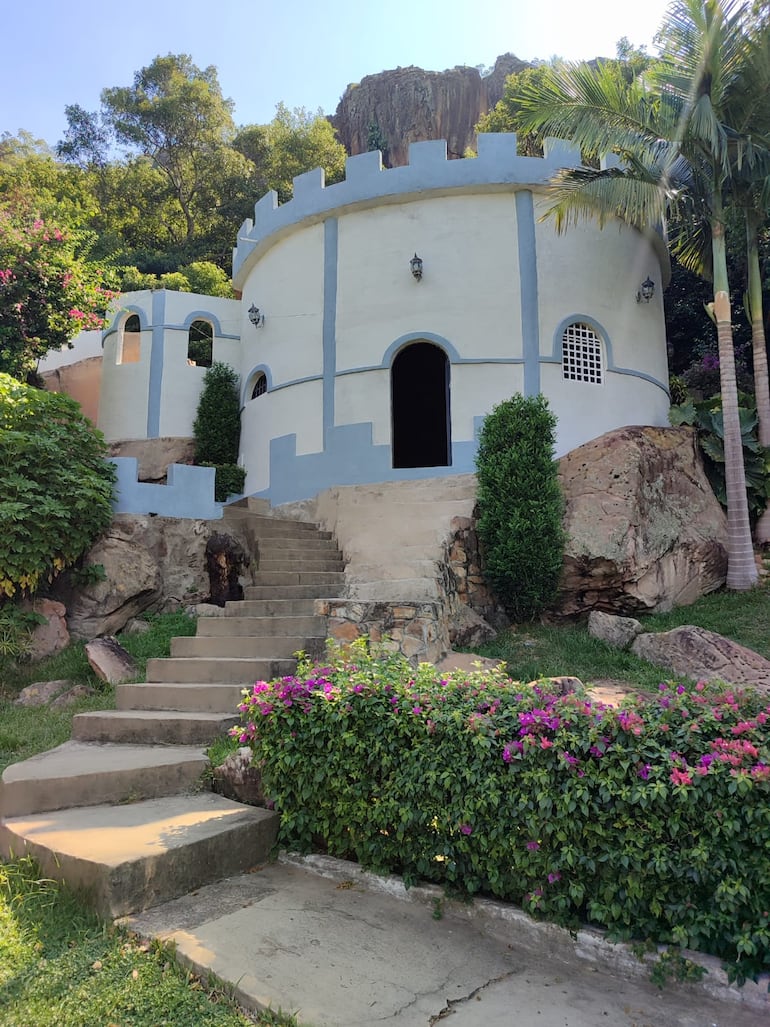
(217, 428)
(55, 485)
(520, 505)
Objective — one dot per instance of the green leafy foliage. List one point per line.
(60, 966)
(55, 485)
(217, 425)
(651, 820)
(706, 417)
(520, 505)
(48, 292)
(229, 481)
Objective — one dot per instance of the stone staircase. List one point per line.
(120, 811)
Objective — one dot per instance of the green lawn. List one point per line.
(534, 650)
(60, 966)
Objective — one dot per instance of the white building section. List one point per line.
(355, 367)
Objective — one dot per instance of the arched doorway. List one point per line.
(419, 391)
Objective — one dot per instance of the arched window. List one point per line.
(130, 341)
(419, 386)
(582, 354)
(260, 385)
(200, 341)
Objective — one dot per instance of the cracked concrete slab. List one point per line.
(342, 954)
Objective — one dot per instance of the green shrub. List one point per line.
(706, 417)
(55, 485)
(229, 481)
(651, 820)
(217, 426)
(520, 505)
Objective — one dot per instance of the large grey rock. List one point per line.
(132, 584)
(236, 778)
(645, 531)
(110, 661)
(694, 652)
(468, 629)
(619, 632)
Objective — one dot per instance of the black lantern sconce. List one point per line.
(256, 318)
(646, 291)
(416, 265)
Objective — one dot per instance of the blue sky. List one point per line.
(303, 52)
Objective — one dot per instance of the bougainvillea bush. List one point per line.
(651, 820)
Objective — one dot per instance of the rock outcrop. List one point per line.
(407, 105)
(110, 661)
(694, 652)
(52, 635)
(645, 531)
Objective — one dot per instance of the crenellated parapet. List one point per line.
(367, 182)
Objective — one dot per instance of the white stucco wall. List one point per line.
(124, 398)
(297, 410)
(469, 289)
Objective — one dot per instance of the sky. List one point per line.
(299, 52)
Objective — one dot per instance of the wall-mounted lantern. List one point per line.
(256, 318)
(646, 290)
(416, 265)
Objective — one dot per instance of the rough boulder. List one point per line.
(645, 531)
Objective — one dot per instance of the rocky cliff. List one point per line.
(406, 105)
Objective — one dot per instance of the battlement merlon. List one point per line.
(428, 170)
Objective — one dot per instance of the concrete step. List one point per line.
(151, 727)
(293, 592)
(217, 671)
(296, 578)
(180, 696)
(261, 627)
(301, 544)
(251, 504)
(85, 774)
(132, 857)
(239, 647)
(269, 607)
(277, 527)
(288, 560)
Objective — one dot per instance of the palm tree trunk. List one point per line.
(741, 567)
(759, 347)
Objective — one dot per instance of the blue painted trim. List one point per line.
(417, 338)
(251, 377)
(405, 340)
(610, 366)
(157, 352)
(189, 491)
(331, 256)
(528, 290)
(350, 458)
(366, 183)
(122, 316)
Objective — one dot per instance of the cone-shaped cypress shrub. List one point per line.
(217, 426)
(520, 505)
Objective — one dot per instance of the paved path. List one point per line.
(340, 954)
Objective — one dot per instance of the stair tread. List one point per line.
(213, 718)
(74, 759)
(121, 834)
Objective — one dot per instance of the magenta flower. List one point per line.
(554, 877)
(466, 829)
(533, 846)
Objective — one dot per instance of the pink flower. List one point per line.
(554, 877)
(466, 829)
(533, 846)
(680, 777)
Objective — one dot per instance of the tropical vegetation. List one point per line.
(690, 130)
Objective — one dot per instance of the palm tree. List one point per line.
(680, 153)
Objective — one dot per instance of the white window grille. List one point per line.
(582, 354)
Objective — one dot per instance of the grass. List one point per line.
(60, 966)
(538, 650)
(25, 731)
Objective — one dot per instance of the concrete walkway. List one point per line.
(339, 948)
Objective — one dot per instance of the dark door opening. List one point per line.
(419, 387)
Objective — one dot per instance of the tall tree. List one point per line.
(680, 150)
